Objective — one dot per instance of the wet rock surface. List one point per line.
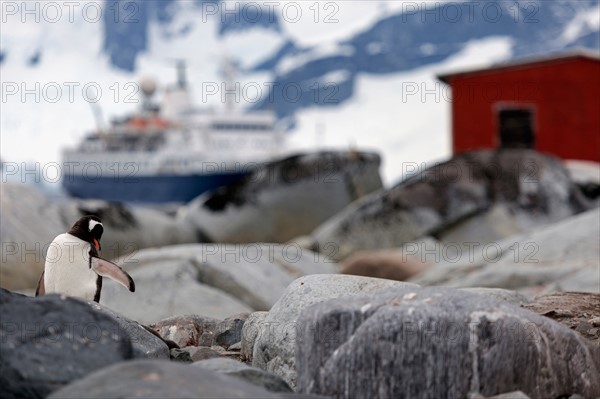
(367, 346)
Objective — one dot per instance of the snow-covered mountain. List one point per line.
(339, 73)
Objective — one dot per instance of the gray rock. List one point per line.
(534, 188)
(260, 208)
(159, 379)
(491, 225)
(561, 256)
(166, 290)
(238, 270)
(512, 297)
(241, 270)
(199, 353)
(250, 374)
(180, 355)
(188, 330)
(144, 344)
(274, 347)
(229, 331)
(252, 327)
(48, 342)
(236, 347)
(466, 344)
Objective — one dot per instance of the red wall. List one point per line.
(565, 95)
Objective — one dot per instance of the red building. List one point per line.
(550, 104)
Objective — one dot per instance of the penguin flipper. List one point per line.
(105, 268)
(40, 289)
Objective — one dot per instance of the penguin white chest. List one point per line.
(67, 269)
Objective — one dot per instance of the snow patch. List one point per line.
(297, 61)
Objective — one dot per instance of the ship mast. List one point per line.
(181, 75)
(228, 71)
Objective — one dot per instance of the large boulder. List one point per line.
(239, 271)
(30, 221)
(145, 345)
(264, 207)
(514, 189)
(48, 342)
(275, 343)
(160, 379)
(559, 257)
(435, 342)
(167, 289)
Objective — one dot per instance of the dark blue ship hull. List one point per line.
(147, 189)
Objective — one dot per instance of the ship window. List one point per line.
(516, 128)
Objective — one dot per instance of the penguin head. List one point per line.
(88, 228)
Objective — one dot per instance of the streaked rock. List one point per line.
(275, 343)
(464, 344)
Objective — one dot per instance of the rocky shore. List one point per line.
(477, 278)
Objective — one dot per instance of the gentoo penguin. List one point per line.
(73, 265)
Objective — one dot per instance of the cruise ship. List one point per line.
(172, 152)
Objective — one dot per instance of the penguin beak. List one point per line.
(97, 244)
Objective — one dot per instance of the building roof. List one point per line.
(529, 61)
